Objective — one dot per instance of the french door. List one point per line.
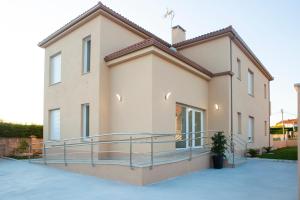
(190, 126)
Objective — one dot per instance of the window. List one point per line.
(85, 110)
(250, 83)
(239, 115)
(86, 54)
(265, 91)
(54, 124)
(189, 127)
(239, 69)
(55, 68)
(251, 129)
(266, 128)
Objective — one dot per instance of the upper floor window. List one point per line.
(239, 69)
(265, 91)
(55, 68)
(86, 54)
(250, 83)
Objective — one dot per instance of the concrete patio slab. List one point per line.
(257, 179)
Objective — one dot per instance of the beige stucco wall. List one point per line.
(133, 81)
(219, 93)
(75, 88)
(186, 88)
(113, 37)
(213, 54)
(256, 106)
(143, 83)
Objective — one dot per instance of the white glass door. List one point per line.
(195, 127)
(189, 127)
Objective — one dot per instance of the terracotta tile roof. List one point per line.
(227, 30)
(203, 37)
(106, 9)
(152, 42)
(288, 121)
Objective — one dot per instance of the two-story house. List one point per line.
(105, 74)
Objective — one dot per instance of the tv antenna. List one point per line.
(170, 14)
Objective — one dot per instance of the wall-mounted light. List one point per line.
(119, 97)
(217, 107)
(167, 96)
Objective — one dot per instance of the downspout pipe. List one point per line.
(231, 93)
(231, 106)
(269, 103)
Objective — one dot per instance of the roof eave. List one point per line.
(230, 32)
(44, 43)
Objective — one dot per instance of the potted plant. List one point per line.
(218, 149)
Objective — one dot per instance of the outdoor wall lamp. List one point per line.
(217, 107)
(167, 96)
(119, 97)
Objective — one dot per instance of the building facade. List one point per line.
(104, 74)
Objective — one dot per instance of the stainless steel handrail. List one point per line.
(123, 134)
(143, 138)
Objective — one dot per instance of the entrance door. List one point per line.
(189, 125)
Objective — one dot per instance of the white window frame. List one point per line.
(55, 78)
(53, 136)
(86, 58)
(85, 120)
(239, 69)
(251, 122)
(239, 121)
(250, 83)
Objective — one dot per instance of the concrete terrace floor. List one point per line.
(257, 179)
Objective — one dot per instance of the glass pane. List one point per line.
(180, 127)
(197, 128)
(87, 121)
(55, 124)
(55, 69)
(86, 55)
(190, 131)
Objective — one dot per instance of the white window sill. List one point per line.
(52, 84)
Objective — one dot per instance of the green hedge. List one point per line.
(279, 130)
(20, 130)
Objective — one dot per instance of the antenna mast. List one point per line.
(170, 14)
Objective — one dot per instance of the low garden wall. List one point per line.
(282, 144)
(15, 138)
(9, 146)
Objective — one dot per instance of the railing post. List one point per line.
(151, 152)
(190, 143)
(130, 152)
(65, 152)
(92, 151)
(44, 154)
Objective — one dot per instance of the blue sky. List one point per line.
(271, 28)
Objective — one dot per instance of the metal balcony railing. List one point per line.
(130, 149)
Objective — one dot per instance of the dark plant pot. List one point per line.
(218, 161)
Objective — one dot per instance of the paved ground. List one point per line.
(258, 179)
